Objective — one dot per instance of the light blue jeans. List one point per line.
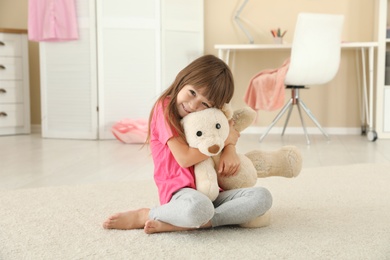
(192, 209)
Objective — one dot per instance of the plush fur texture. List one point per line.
(285, 162)
(208, 129)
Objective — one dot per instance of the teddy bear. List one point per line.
(208, 129)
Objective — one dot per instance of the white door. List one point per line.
(68, 81)
(142, 45)
(182, 36)
(128, 52)
(128, 60)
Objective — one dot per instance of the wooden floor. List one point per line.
(28, 161)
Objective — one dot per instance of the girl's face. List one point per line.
(190, 100)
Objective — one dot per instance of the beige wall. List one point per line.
(335, 104)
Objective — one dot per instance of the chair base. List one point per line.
(295, 100)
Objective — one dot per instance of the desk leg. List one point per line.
(371, 135)
(368, 105)
(232, 66)
(371, 85)
(224, 55)
(358, 64)
(227, 57)
(364, 88)
(220, 54)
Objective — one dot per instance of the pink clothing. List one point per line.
(266, 89)
(130, 131)
(168, 174)
(52, 20)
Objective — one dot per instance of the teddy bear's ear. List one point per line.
(227, 110)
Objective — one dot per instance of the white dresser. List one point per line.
(14, 82)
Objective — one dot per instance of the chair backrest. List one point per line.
(315, 52)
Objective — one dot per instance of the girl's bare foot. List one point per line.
(156, 226)
(132, 219)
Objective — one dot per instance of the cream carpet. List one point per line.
(325, 213)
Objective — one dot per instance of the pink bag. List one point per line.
(130, 131)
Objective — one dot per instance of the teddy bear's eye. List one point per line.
(218, 126)
(199, 133)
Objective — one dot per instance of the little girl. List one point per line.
(206, 82)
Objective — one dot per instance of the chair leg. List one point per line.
(276, 119)
(295, 100)
(302, 121)
(287, 119)
(310, 114)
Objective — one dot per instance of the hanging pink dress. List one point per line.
(52, 20)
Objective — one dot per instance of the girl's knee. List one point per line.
(201, 210)
(264, 197)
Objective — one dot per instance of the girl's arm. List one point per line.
(184, 155)
(229, 163)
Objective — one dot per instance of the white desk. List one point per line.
(224, 51)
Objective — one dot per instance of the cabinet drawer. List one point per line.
(11, 115)
(10, 68)
(10, 44)
(11, 92)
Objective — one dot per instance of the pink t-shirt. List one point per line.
(168, 174)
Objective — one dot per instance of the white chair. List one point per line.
(315, 59)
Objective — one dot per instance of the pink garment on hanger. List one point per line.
(266, 89)
(52, 20)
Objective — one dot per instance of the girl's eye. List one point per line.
(206, 105)
(193, 93)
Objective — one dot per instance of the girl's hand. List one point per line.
(229, 162)
(233, 135)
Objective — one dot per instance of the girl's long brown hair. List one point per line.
(208, 74)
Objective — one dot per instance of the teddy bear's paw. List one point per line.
(261, 221)
(243, 118)
(294, 160)
(285, 162)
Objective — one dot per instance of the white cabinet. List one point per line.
(128, 52)
(14, 83)
(386, 110)
(383, 90)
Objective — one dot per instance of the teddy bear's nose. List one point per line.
(214, 148)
